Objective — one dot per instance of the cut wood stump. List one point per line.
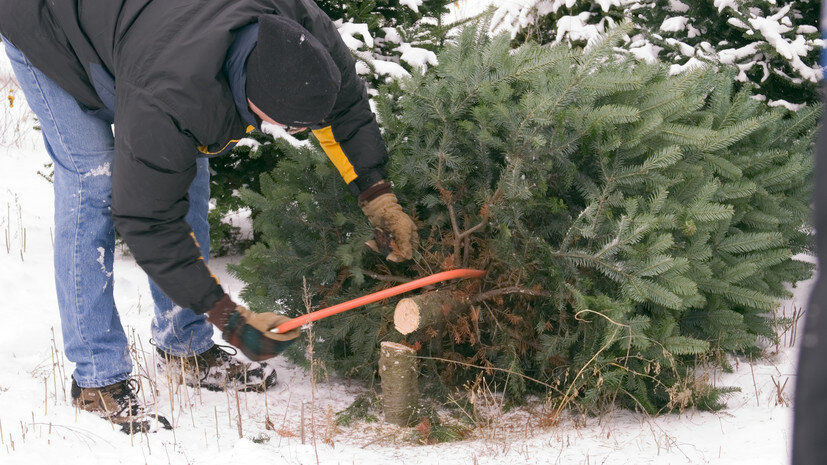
(429, 309)
(400, 391)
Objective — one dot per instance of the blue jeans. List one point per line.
(82, 148)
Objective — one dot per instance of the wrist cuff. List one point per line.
(219, 315)
(380, 188)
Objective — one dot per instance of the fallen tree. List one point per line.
(631, 223)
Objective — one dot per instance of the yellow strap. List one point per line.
(205, 150)
(335, 153)
(201, 257)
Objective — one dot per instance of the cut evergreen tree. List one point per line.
(631, 223)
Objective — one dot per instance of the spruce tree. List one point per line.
(631, 222)
(773, 44)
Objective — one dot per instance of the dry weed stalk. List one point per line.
(306, 297)
(780, 396)
(15, 121)
(754, 385)
(284, 419)
(238, 409)
(331, 427)
(786, 326)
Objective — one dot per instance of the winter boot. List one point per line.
(119, 404)
(216, 369)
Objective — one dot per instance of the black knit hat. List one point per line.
(291, 76)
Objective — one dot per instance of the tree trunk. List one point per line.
(418, 312)
(400, 391)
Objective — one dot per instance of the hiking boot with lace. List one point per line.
(217, 369)
(119, 404)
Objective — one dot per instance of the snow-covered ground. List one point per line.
(39, 425)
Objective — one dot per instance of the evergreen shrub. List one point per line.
(633, 225)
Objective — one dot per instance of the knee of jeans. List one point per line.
(96, 188)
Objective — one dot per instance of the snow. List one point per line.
(392, 35)
(417, 57)
(412, 4)
(684, 48)
(678, 6)
(721, 4)
(691, 64)
(606, 4)
(102, 261)
(786, 104)
(279, 132)
(737, 23)
(576, 28)
(679, 23)
(772, 32)
(349, 30)
(674, 24)
(103, 170)
(731, 55)
(248, 142)
(390, 69)
(647, 52)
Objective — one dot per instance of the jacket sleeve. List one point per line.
(350, 135)
(153, 167)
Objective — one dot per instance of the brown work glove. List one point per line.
(395, 233)
(249, 331)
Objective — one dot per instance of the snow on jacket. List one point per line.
(156, 69)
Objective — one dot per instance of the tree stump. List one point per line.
(400, 391)
(421, 311)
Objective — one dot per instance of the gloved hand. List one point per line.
(249, 331)
(395, 232)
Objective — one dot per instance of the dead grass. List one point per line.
(16, 120)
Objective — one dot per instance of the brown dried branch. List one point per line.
(508, 290)
(388, 278)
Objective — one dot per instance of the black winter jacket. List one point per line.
(156, 68)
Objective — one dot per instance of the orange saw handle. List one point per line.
(376, 296)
